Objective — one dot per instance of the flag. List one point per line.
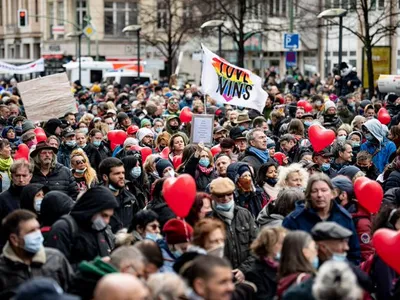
(229, 84)
(33, 67)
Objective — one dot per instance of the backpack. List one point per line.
(73, 227)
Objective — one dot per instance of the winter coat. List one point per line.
(168, 257)
(384, 278)
(127, 208)
(201, 178)
(371, 172)
(264, 276)
(346, 115)
(252, 160)
(289, 281)
(46, 263)
(268, 219)
(161, 208)
(64, 155)
(363, 224)
(9, 201)
(240, 233)
(304, 218)
(54, 205)
(104, 151)
(393, 181)
(93, 154)
(59, 179)
(87, 243)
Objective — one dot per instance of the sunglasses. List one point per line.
(173, 102)
(78, 162)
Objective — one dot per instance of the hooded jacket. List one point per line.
(268, 219)
(168, 127)
(9, 201)
(28, 195)
(88, 243)
(382, 149)
(54, 205)
(202, 179)
(64, 154)
(93, 154)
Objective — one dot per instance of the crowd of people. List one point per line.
(272, 218)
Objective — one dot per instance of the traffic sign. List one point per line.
(291, 41)
(89, 30)
(58, 29)
(291, 59)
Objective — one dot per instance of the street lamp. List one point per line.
(213, 24)
(336, 13)
(77, 34)
(137, 28)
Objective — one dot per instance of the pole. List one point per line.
(220, 41)
(326, 50)
(138, 54)
(79, 54)
(291, 15)
(340, 39)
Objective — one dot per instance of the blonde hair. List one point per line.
(162, 136)
(86, 118)
(148, 164)
(266, 240)
(90, 174)
(345, 127)
(283, 174)
(111, 105)
(103, 127)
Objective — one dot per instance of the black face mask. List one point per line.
(364, 169)
(175, 127)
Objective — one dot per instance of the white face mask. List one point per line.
(171, 173)
(111, 126)
(217, 251)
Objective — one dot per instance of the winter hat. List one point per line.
(52, 125)
(242, 169)
(145, 122)
(27, 136)
(349, 171)
(344, 184)
(270, 143)
(355, 133)
(343, 65)
(177, 232)
(130, 142)
(122, 116)
(328, 105)
(333, 97)
(27, 125)
(392, 97)
(222, 186)
(5, 130)
(161, 165)
(142, 132)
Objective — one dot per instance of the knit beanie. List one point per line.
(122, 116)
(130, 142)
(344, 184)
(270, 143)
(161, 165)
(145, 122)
(52, 125)
(391, 98)
(142, 132)
(177, 232)
(328, 105)
(27, 125)
(349, 171)
(242, 169)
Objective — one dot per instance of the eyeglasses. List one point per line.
(78, 162)
(223, 196)
(173, 102)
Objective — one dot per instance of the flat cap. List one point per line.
(222, 186)
(330, 231)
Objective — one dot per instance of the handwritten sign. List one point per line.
(202, 129)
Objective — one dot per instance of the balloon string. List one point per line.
(186, 230)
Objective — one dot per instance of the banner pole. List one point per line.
(205, 104)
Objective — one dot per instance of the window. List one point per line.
(345, 4)
(284, 7)
(117, 15)
(186, 13)
(162, 14)
(1, 13)
(353, 53)
(336, 3)
(60, 13)
(277, 7)
(50, 13)
(335, 53)
(353, 4)
(81, 11)
(328, 4)
(381, 4)
(271, 7)
(353, 63)
(373, 4)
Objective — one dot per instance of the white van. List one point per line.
(126, 77)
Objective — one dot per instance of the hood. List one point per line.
(266, 219)
(5, 130)
(167, 127)
(346, 70)
(233, 171)
(93, 201)
(27, 195)
(54, 205)
(376, 128)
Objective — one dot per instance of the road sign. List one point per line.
(291, 59)
(89, 30)
(58, 29)
(291, 41)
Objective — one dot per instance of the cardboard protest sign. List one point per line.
(47, 97)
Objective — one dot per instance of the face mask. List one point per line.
(175, 127)
(113, 188)
(341, 138)
(155, 174)
(158, 129)
(38, 203)
(271, 181)
(277, 256)
(85, 130)
(98, 224)
(315, 262)
(217, 251)
(364, 169)
(353, 104)
(307, 123)
(369, 137)
(224, 206)
(33, 242)
(30, 144)
(97, 143)
(177, 253)
(18, 129)
(204, 162)
(246, 183)
(136, 172)
(171, 173)
(339, 257)
(318, 103)
(80, 171)
(241, 128)
(325, 166)
(152, 236)
(188, 96)
(83, 146)
(355, 144)
(111, 126)
(70, 143)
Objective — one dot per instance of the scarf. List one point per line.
(205, 170)
(226, 215)
(262, 155)
(5, 165)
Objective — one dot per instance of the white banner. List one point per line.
(36, 66)
(227, 83)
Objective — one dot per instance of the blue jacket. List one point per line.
(303, 218)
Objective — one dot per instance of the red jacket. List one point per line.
(363, 223)
(286, 282)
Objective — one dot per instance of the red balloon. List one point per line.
(145, 152)
(39, 130)
(369, 194)
(164, 154)
(387, 244)
(116, 137)
(302, 103)
(177, 161)
(215, 150)
(41, 137)
(279, 156)
(179, 193)
(383, 116)
(320, 137)
(186, 115)
(308, 107)
(22, 152)
(136, 148)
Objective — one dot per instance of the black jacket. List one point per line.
(59, 179)
(9, 201)
(393, 180)
(202, 179)
(28, 195)
(104, 151)
(252, 160)
(93, 154)
(127, 208)
(264, 276)
(161, 208)
(64, 155)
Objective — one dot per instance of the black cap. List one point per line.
(68, 132)
(323, 231)
(236, 134)
(324, 153)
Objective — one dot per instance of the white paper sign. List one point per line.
(47, 97)
(202, 129)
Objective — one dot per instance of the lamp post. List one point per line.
(137, 28)
(77, 34)
(213, 24)
(336, 13)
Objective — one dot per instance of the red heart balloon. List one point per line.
(22, 152)
(41, 137)
(387, 244)
(164, 154)
(145, 152)
(320, 137)
(116, 137)
(177, 161)
(39, 130)
(383, 116)
(136, 148)
(179, 193)
(216, 149)
(369, 194)
(302, 103)
(308, 107)
(186, 115)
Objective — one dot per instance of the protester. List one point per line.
(67, 146)
(153, 256)
(222, 161)
(145, 225)
(201, 208)
(267, 178)
(209, 234)
(292, 176)
(5, 164)
(256, 153)
(136, 179)
(85, 176)
(31, 197)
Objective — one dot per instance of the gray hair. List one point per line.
(37, 162)
(283, 173)
(166, 286)
(21, 163)
(125, 253)
(250, 135)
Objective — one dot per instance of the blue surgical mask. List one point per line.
(277, 256)
(158, 129)
(80, 171)
(325, 166)
(315, 262)
(83, 146)
(152, 236)
(85, 130)
(355, 144)
(33, 242)
(341, 138)
(97, 143)
(37, 204)
(113, 188)
(242, 128)
(204, 162)
(98, 224)
(307, 123)
(136, 172)
(369, 137)
(271, 181)
(339, 257)
(70, 143)
(177, 253)
(224, 206)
